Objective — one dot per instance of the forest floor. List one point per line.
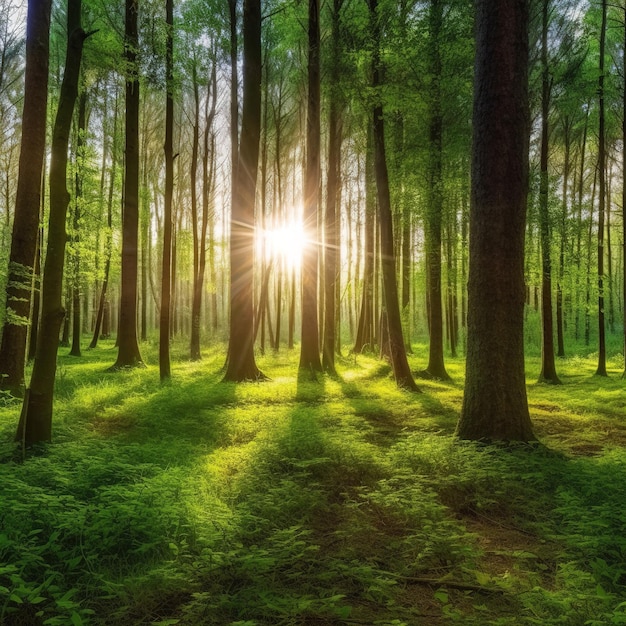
(287, 502)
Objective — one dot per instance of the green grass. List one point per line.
(345, 501)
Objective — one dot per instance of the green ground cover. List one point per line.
(292, 502)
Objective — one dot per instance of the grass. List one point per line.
(291, 502)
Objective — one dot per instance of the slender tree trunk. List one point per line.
(494, 402)
(601, 370)
(128, 346)
(624, 204)
(310, 349)
(80, 149)
(563, 236)
(548, 367)
(333, 185)
(401, 370)
(34, 322)
(241, 364)
(434, 212)
(28, 199)
(36, 417)
(165, 371)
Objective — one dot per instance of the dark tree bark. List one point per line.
(397, 351)
(128, 347)
(36, 418)
(241, 364)
(165, 372)
(76, 292)
(624, 204)
(333, 185)
(310, 349)
(28, 198)
(601, 369)
(434, 210)
(548, 367)
(34, 321)
(494, 403)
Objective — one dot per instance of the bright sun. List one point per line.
(285, 242)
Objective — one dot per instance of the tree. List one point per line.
(396, 347)
(36, 418)
(128, 347)
(28, 199)
(601, 369)
(548, 368)
(494, 402)
(331, 221)
(166, 275)
(434, 210)
(309, 349)
(241, 364)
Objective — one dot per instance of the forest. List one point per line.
(312, 313)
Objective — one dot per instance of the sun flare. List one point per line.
(285, 243)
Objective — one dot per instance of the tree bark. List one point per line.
(310, 349)
(397, 351)
(601, 369)
(494, 403)
(36, 417)
(28, 198)
(548, 367)
(128, 347)
(241, 364)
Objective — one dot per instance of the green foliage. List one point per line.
(286, 502)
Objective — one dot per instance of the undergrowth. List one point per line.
(341, 501)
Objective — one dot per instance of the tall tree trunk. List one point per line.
(333, 185)
(601, 369)
(434, 211)
(36, 417)
(494, 402)
(241, 364)
(80, 157)
(624, 204)
(310, 349)
(128, 347)
(548, 368)
(166, 275)
(397, 351)
(28, 199)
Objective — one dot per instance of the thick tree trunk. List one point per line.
(310, 348)
(241, 364)
(28, 198)
(36, 418)
(128, 347)
(397, 351)
(494, 403)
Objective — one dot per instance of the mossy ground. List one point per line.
(342, 501)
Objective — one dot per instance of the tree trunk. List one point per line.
(241, 364)
(28, 198)
(333, 184)
(80, 149)
(399, 362)
(601, 369)
(548, 368)
(434, 211)
(310, 349)
(128, 347)
(494, 403)
(36, 418)
(165, 372)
